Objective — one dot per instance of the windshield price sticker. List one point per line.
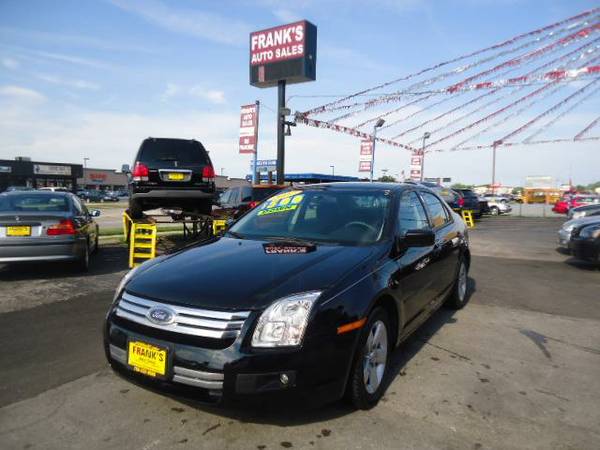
(288, 201)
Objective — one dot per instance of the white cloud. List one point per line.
(285, 15)
(214, 96)
(78, 84)
(18, 93)
(10, 63)
(197, 23)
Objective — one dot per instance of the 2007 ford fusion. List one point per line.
(305, 295)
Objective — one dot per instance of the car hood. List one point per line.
(236, 274)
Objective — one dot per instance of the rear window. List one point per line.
(259, 194)
(34, 203)
(178, 150)
(467, 193)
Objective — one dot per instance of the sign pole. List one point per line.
(256, 146)
(373, 153)
(280, 132)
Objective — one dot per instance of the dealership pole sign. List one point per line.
(416, 165)
(365, 161)
(284, 53)
(281, 55)
(249, 128)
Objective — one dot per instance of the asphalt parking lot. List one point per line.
(519, 367)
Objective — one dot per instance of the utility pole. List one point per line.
(377, 125)
(426, 136)
(280, 132)
(496, 144)
(255, 156)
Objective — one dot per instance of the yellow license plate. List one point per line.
(147, 359)
(18, 231)
(174, 176)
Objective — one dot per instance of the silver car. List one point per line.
(564, 234)
(46, 226)
(584, 211)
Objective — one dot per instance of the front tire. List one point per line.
(494, 211)
(458, 297)
(366, 384)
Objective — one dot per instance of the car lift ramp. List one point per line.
(141, 234)
(467, 216)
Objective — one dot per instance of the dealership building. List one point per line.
(35, 174)
(102, 179)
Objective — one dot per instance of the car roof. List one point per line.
(37, 193)
(363, 186)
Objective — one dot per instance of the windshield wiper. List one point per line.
(235, 234)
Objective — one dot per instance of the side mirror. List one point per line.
(419, 238)
(95, 213)
(125, 168)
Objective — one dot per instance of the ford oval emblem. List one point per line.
(161, 315)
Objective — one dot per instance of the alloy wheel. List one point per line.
(375, 357)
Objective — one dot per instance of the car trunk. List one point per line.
(28, 225)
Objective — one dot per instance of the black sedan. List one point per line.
(46, 227)
(305, 296)
(585, 242)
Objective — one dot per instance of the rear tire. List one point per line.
(83, 263)
(458, 296)
(368, 375)
(135, 209)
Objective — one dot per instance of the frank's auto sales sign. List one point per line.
(287, 52)
(277, 44)
(249, 128)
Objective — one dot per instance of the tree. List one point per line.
(387, 179)
(461, 186)
(517, 191)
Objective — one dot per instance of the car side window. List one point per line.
(225, 196)
(79, 209)
(411, 214)
(235, 196)
(438, 213)
(246, 194)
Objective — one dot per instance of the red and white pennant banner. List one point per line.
(509, 42)
(347, 130)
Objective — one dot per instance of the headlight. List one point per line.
(284, 322)
(592, 232)
(578, 215)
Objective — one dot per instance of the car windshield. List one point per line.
(179, 150)
(320, 215)
(33, 203)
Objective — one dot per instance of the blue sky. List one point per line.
(93, 78)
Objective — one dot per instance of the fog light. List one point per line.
(284, 379)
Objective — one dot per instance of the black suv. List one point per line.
(471, 201)
(171, 173)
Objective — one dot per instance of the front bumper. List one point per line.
(586, 249)
(316, 372)
(44, 250)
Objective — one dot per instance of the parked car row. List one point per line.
(570, 201)
(98, 196)
(580, 236)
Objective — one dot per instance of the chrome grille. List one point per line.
(190, 321)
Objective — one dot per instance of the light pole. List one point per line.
(384, 171)
(85, 160)
(332, 170)
(222, 169)
(494, 145)
(378, 124)
(426, 136)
